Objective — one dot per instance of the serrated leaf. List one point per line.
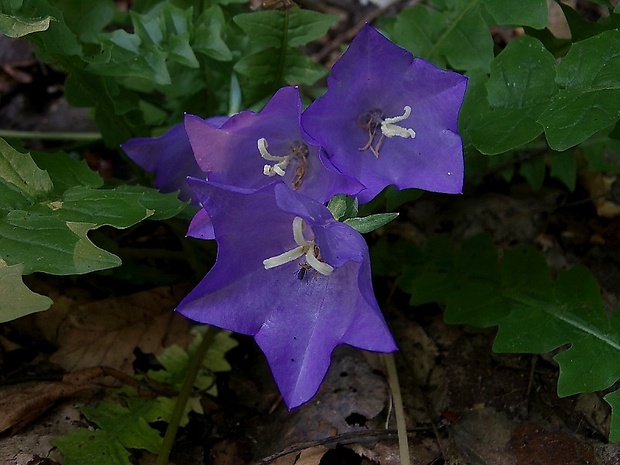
(14, 26)
(16, 300)
(21, 180)
(589, 99)
(87, 19)
(127, 425)
(93, 447)
(370, 223)
(208, 35)
(278, 28)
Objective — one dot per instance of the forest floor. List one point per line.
(464, 404)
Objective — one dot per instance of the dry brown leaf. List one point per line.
(23, 404)
(107, 332)
(310, 456)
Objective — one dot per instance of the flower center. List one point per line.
(375, 120)
(298, 152)
(305, 248)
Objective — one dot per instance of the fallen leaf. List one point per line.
(24, 404)
(107, 332)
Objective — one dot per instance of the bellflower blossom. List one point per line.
(169, 158)
(291, 276)
(252, 150)
(388, 118)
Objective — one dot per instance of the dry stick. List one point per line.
(399, 411)
(184, 393)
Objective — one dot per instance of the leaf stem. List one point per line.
(184, 393)
(399, 411)
(71, 136)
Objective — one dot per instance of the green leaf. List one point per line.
(343, 206)
(369, 223)
(275, 28)
(87, 19)
(519, 87)
(16, 300)
(66, 172)
(120, 428)
(92, 447)
(613, 399)
(589, 99)
(535, 313)
(21, 181)
(48, 244)
(533, 170)
(208, 35)
(459, 38)
(532, 13)
(13, 26)
(564, 168)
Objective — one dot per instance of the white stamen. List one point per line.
(304, 247)
(318, 265)
(298, 232)
(390, 129)
(283, 258)
(277, 168)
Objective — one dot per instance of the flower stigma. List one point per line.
(305, 248)
(375, 119)
(298, 151)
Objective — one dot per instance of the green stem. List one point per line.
(186, 390)
(401, 425)
(72, 136)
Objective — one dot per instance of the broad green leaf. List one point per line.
(457, 33)
(16, 300)
(48, 244)
(369, 223)
(66, 172)
(520, 85)
(21, 181)
(458, 38)
(531, 13)
(589, 98)
(13, 26)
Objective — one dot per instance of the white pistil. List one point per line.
(389, 128)
(304, 247)
(277, 168)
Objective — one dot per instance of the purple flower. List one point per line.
(291, 276)
(169, 158)
(390, 119)
(252, 150)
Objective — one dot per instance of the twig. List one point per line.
(401, 425)
(40, 135)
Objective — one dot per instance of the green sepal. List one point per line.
(369, 223)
